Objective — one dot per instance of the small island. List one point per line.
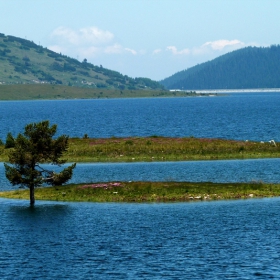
(156, 148)
(149, 192)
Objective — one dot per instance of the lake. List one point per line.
(201, 240)
(220, 171)
(251, 116)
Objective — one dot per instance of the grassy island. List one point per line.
(166, 149)
(150, 192)
(157, 148)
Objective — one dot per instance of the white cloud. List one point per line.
(218, 47)
(65, 34)
(118, 49)
(131, 51)
(88, 42)
(114, 49)
(95, 35)
(174, 50)
(221, 44)
(84, 36)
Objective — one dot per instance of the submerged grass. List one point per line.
(149, 192)
(156, 148)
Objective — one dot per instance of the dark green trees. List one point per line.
(32, 148)
(10, 141)
(246, 68)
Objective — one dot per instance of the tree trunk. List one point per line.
(32, 196)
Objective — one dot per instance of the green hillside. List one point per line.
(24, 62)
(246, 68)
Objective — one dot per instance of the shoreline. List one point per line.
(239, 90)
(47, 92)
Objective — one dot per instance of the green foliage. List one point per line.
(10, 141)
(32, 148)
(69, 67)
(148, 83)
(129, 142)
(56, 66)
(246, 68)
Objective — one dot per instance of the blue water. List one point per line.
(265, 170)
(202, 240)
(210, 240)
(253, 116)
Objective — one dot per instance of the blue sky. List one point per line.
(143, 38)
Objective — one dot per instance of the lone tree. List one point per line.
(32, 148)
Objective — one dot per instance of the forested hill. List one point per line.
(250, 67)
(24, 62)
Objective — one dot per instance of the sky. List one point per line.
(143, 38)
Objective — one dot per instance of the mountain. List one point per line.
(250, 67)
(24, 62)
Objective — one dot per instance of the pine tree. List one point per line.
(32, 148)
(10, 141)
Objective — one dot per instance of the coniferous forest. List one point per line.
(250, 67)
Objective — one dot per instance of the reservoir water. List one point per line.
(260, 170)
(202, 240)
(251, 116)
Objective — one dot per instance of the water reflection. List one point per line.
(43, 215)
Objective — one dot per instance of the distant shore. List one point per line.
(239, 90)
(58, 92)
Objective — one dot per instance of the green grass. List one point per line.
(161, 149)
(165, 149)
(150, 192)
(156, 149)
(52, 92)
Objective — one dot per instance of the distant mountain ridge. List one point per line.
(24, 62)
(247, 68)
